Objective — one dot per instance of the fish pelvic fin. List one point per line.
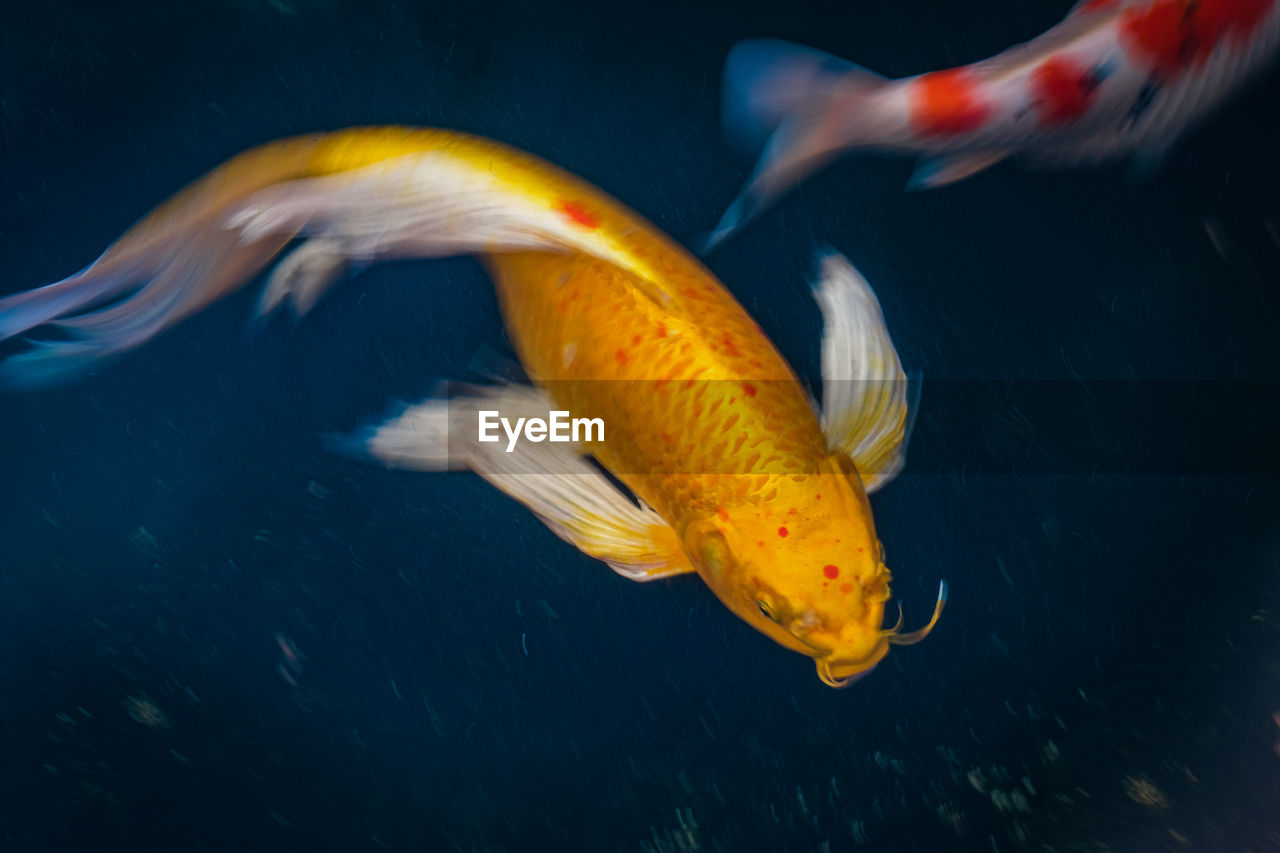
(556, 482)
(940, 171)
(801, 106)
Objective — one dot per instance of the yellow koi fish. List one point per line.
(734, 473)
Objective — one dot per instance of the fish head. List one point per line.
(805, 568)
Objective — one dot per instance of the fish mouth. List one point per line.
(834, 674)
(847, 669)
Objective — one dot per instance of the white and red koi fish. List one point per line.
(1115, 78)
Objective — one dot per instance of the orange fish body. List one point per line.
(714, 453)
(738, 477)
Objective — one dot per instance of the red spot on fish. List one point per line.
(577, 213)
(621, 357)
(1236, 20)
(1172, 37)
(692, 293)
(793, 511)
(729, 347)
(748, 389)
(635, 340)
(846, 588)
(1064, 89)
(662, 330)
(782, 531)
(1159, 36)
(831, 572)
(817, 497)
(723, 513)
(760, 544)
(947, 103)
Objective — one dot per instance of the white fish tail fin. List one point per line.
(802, 106)
(161, 282)
(32, 308)
(171, 264)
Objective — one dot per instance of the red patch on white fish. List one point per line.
(946, 103)
(1157, 36)
(1232, 20)
(1063, 89)
(1172, 37)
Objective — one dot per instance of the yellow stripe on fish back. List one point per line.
(698, 394)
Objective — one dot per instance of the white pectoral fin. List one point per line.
(562, 488)
(865, 394)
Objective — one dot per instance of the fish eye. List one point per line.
(765, 610)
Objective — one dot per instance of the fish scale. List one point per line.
(695, 409)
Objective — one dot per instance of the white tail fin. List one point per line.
(163, 284)
(801, 105)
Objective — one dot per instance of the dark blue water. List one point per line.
(1104, 678)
